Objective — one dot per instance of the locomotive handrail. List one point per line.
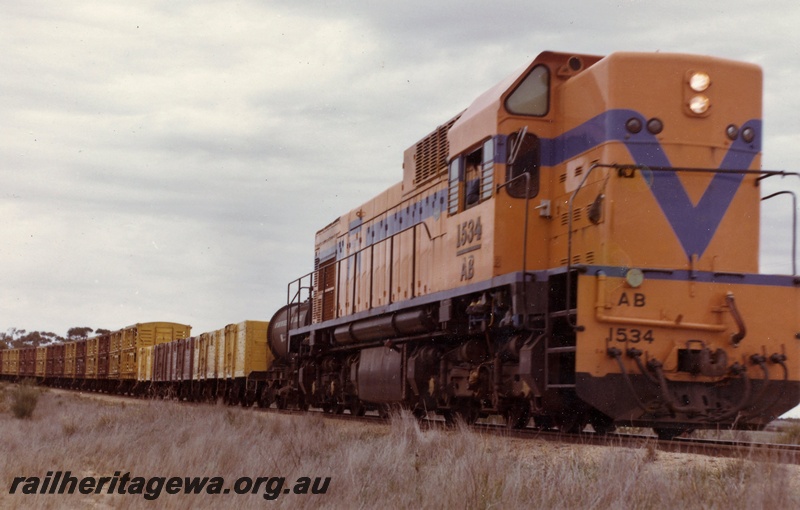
(298, 295)
(600, 305)
(774, 173)
(527, 177)
(734, 171)
(569, 236)
(296, 299)
(794, 225)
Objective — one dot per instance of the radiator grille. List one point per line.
(430, 158)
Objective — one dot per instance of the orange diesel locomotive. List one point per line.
(580, 245)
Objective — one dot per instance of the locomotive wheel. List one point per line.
(468, 412)
(333, 408)
(542, 422)
(518, 415)
(571, 422)
(470, 415)
(280, 402)
(601, 423)
(386, 411)
(357, 408)
(668, 433)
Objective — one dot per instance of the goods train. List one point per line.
(578, 246)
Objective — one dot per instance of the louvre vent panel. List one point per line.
(431, 155)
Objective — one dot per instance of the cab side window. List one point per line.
(471, 178)
(454, 186)
(487, 170)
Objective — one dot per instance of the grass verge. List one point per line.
(370, 466)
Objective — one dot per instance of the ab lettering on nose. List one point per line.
(639, 300)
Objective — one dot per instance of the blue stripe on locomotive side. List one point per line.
(767, 280)
(694, 226)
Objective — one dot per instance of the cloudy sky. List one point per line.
(173, 160)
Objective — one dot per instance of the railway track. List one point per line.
(789, 454)
(755, 451)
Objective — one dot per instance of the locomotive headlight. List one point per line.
(699, 81)
(699, 104)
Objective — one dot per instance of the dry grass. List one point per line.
(370, 466)
(790, 434)
(24, 398)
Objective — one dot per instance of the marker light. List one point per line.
(634, 277)
(699, 104)
(633, 125)
(699, 81)
(655, 126)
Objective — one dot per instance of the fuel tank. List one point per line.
(289, 317)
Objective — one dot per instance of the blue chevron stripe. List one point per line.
(694, 226)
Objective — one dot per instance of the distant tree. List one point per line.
(32, 339)
(39, 338)
(100, 331)
(12, 334)
(51, 338)
(78, 333)
(7, 338)
(15, 338)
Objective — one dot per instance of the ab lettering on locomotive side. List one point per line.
(638, 300)
(468, 268)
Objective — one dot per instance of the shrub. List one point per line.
(24, 399)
